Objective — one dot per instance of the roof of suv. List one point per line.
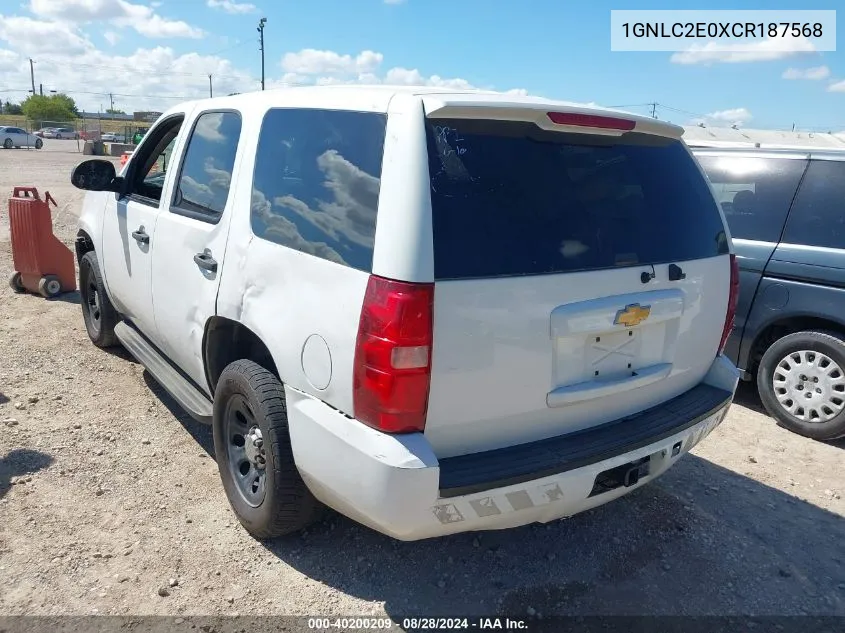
(776, 152)
(380, 95)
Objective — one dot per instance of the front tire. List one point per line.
(8, 143)
(801, 380)
(39, 143)
(97, 311)
(254, 455)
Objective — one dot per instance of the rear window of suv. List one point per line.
(509, 198)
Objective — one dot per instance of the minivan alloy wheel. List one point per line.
(809, 385)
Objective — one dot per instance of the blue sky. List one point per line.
(551, 48)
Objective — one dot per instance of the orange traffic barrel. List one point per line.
(42, 262)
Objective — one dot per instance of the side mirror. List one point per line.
(96, 175)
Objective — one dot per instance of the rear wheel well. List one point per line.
(779, 329)
(227, 341)
(84, 244)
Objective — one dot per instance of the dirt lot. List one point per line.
(109, 497)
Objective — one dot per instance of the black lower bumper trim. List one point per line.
(476, 472)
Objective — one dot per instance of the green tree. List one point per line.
(114, 111)
(12, 108)
(57, 107)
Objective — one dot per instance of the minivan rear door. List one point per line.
(755, 191)
(581, 273)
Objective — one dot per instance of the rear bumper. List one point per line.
(396, 485)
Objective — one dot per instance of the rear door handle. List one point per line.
(141, 236)
(205, 261)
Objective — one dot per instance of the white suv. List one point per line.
(433, 311)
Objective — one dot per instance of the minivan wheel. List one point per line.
(254, 456)
(801, 380)
(97, 311)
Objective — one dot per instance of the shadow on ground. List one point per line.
(21, 461)
(701, 540)
(200, 432)
(68, 297)
(3, 398)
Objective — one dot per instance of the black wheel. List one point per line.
(16, 283)
(39, 143)
(97, 311)
(49, 286)
(8, 143)
(254, 456)
(58, 137)
(801, 380)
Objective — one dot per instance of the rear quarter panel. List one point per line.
(304, 308)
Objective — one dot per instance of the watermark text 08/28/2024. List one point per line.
(711, 30)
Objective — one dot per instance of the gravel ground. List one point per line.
(110, 503)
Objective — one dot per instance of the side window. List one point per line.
(316, 183)
(152, 160)
(206, 173)
(818, 215)
(755, 192)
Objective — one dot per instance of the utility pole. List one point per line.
(111, 100)
(653, 110)
(210, 90)
(261, 24)
(41, 89)
(32, 75)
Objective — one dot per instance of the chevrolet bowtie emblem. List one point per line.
(631, 315)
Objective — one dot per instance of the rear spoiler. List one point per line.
(548, 115)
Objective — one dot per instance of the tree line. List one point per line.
(56, 107)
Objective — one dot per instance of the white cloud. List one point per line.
(734, 116)
(758, 51)
(141, 18)
(9, 61)
(31, 37)
(232, 7)
(310, 61)
(838, 86)
(814, 74)
(111, 37)
(327, 68)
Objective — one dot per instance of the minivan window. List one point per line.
(755, 192)
(316, 183)
(509, 198)
(206, 174)
(818, 215)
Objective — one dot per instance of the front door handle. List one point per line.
(141, 236)
(205, 261)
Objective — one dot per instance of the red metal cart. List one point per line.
(42, 262)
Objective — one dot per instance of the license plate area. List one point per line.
(624, 475)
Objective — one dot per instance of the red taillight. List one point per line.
(732, 299)
(392, 370)
(591, 120)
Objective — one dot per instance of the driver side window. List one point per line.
(149, 168)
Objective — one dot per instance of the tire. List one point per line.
(801, 380)
(8, 143)
(39, 143)
(248, 397)
(58, 137)
(97, 310)
(49, 286)
(16, 283)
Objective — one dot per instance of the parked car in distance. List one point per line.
(786, 214)
(18, 137)
(65, 133)
(43, 131)
(109, 137)
(512, 341)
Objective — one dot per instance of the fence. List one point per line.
(85, 129)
